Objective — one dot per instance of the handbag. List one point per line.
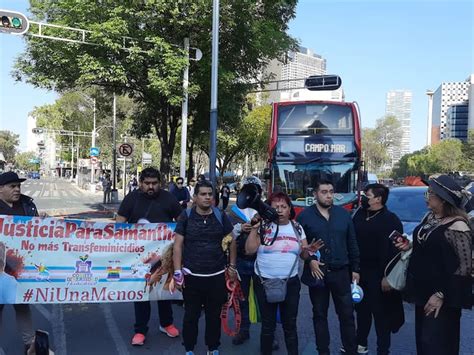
(275, 289)
(397, 276)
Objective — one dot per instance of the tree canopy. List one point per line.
(150, 69)
(9, 142)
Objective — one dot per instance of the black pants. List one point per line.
(225, 202)
(338, 283)
(288, 313)
(372, 306)
(143, 311)
(437, 336)
(211, 293)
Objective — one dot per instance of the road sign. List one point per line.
(94, 152)
(125, 149)
(146, 158)
(94, 160)
(13, 22)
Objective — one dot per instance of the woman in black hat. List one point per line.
(439, 272)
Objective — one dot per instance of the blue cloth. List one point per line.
(340, 244)
(8, 286)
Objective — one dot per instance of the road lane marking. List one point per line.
(114, 330)
(55, 193)
(35, 194)
(27, 192)
(46, 194)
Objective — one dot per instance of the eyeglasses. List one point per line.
(429, 193)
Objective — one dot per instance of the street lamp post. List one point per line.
(214, 83)
(114, 151)
(93, 145)
(184, 112)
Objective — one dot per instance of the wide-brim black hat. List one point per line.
(448, 190)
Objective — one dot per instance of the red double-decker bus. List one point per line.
(314, 140)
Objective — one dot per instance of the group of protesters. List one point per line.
(341, 254)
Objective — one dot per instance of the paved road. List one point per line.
(107, 328)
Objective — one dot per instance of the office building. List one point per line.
(296, 65)
(398, 104)
(447, 95)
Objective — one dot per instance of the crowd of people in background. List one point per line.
(343, 254)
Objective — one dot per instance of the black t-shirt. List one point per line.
(202, 252)
(161, 208)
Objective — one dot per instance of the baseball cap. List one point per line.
(9, 177)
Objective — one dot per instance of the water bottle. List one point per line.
(357, 292)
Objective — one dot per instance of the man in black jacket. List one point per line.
(13, 203)
(338, 265)
(373, 224)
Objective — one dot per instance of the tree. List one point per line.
(448, 155)
(378, 142)
(23, 161)
(150, 71)
(9, 142)
(248, 137)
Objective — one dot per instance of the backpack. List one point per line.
(217, 213)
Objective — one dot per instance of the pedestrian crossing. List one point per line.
(42, 189)
(51, 193)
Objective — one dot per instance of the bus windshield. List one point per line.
(310, 119)
(298, 180)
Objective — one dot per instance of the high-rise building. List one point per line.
(297, 65)
(457, 118)
(398, 104)
(447, 95)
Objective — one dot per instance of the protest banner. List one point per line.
(51, 260)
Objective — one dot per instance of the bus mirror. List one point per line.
(323, 82)
(267, 174)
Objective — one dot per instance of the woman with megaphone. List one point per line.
(278, 246)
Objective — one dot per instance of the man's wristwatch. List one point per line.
(440, 295)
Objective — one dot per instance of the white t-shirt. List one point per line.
(275, 261)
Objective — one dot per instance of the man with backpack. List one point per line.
(200, 263)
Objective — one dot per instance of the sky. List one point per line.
(374, 45)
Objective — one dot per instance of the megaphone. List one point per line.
(249, 197)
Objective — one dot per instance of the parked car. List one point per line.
(408, 203)
(34, 175)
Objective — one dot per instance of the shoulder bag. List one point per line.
(396, 270)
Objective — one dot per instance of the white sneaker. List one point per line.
(360, 349)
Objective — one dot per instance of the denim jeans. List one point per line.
(143, 311)
(338, 283)
(288, 313)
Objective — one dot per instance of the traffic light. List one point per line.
(13, 22)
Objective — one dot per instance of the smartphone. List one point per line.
(397, 237)
(41, 342)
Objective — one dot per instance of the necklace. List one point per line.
(205, 217)
(370, 217)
